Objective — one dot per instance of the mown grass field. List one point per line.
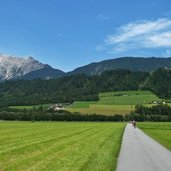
(110, 103)
(160, 131)
(42, 146)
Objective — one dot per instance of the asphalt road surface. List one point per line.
(139, 152)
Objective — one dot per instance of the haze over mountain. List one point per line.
(25, 68)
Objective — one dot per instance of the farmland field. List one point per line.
(59, 146)
(120, 102)
(104, 109)
(161, 132)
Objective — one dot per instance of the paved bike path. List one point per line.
(139, 152)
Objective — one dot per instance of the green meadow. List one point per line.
(160, 131)
(120, 102)
(63, 146)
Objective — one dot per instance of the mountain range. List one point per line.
(131, 63)
(25, 68)
(14, 68)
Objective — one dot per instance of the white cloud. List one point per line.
(161, 40)
(141, 34)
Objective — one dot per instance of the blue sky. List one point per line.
(70, 33)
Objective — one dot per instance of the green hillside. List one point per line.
(69, 88)
(87, 88)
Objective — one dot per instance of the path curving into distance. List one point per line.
(139, 152)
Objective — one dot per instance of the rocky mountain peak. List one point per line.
(13, 67)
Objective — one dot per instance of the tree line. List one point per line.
(156, 113)
(160, 112)
(41, 114)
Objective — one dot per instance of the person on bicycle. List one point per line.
(134, 124)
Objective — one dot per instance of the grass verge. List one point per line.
(160, 131)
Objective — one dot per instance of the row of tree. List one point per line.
(153, 113)
(51, 115)
(141, 113)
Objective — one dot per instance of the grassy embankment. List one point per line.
(160, 131)
(59, 146)
(112, 103)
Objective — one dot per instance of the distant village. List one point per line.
(59, 106)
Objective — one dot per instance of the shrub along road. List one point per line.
(140, 152)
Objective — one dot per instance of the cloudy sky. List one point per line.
(70, 33)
